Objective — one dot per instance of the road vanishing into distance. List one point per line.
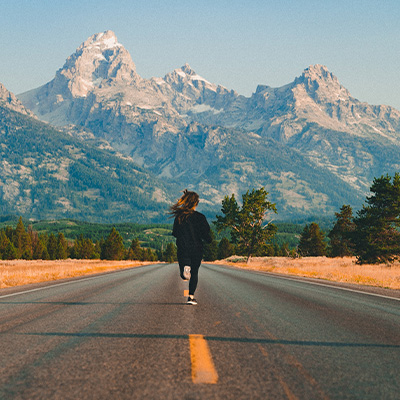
(130, 335)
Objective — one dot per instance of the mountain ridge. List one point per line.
(186, 130)
(9, 100)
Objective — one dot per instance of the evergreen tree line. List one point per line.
(372, 235)
(27, 244)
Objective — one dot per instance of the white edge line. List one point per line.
(312, 283)
(46, 287)
(77, 279)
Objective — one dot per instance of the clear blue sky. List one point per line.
(236, 43)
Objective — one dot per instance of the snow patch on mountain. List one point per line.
(201, 108)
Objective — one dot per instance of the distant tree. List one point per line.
(9, 231)
(312, 241)
(22, 241)
(113, 248)
(377, 236)
(39, 250)
(225, 249)
(267, 251)
(135, 252)
(8, 250)
(97, 248)
(149, 255)
(340, 235)
(170, 254)
(62, 247)
(210, 251)
(283, 251)
(246, 224)
(84, 249)
(3, 239)
(18, 234)
(160, 254)
(52, 246)
(275, 250)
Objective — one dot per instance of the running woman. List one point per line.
(191, 230)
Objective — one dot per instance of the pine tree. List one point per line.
(62, 247)
(52, 246)
(149, 255)
(284, 250)
(40, 251)
(225, 249)
(97, 248)
(7, 248)
(83, 248)
(246, 224)
(2, 240)
(10, 252)
(18, 236)
(22, 242)
(210, 251)
(170, 254)
(4, 243)
(312, 241)
(340, 235)
(113, 248)
(135, 252)
(377, 236)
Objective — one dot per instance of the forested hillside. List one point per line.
(46, 173)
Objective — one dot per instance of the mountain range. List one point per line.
(309, 143)
(54, 173)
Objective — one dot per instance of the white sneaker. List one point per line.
(192, 301)
(186, 272)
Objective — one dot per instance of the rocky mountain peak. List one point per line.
(320, 84)
(187, 69)
(100, 59)
(317, 72)
(186, 74)
(9, 100)
(99, 63)
(103, 40)
(6, 96)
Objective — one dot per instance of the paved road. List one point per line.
(130, 335)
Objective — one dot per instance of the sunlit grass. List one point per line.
(21, 272)
(333, 269)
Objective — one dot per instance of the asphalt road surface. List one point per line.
(130, 335)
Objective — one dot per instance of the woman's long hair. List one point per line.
(185, 205)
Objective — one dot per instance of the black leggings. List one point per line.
(194, 263)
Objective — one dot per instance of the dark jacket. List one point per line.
(191, 234)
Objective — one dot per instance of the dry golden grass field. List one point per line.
(21, 272)
(333, 269)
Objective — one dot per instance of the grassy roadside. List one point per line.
(333, 269)
(21, 272)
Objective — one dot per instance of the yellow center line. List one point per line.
(203, 369)
(285, 387)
